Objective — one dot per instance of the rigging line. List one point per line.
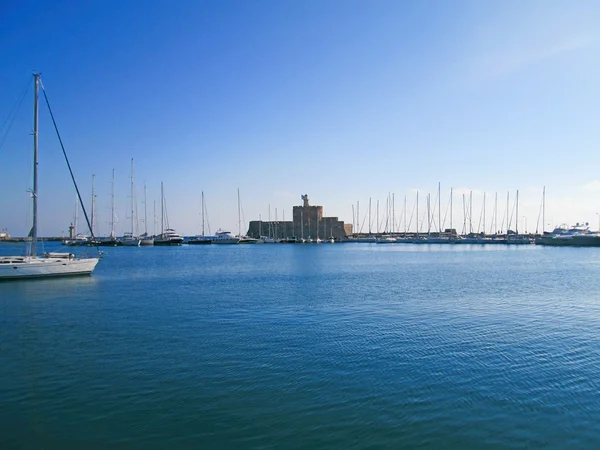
(14, 112)
(69, 166)
(18, 102)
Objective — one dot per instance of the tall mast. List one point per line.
(517, 218)
(417, 213)
(162, 209)
(93, 202)
(507, 207)
(393, 213)
(451, 195)
(464, 229)
(440, 208)
(369, 216)
(483, 214)
(470, 212)
(202, 213)
(405, 230)
(145, 213)
(112, 206)
(358, 227)
(377, 216)
(239, 215)
(132, 197)
(543, 209)
(428, 215)
(34, 231)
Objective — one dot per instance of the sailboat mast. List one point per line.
(543, 210)
(405, 230)
(451, 195)
(131, 197)
(377, 216)
(470, 212)
(517, 218)
(507, 213)
(34, 231)
(428, 215)
(417, 213)
(93, 202)
(145, 212)
(112, 206)
(483, 214)
(239, 215)
(440, 209)
(162, 209)
(369, 216)
(393, 213)
(202, 213)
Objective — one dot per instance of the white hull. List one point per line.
(18, 267)
(226, 241)
(128, 242)
(146, 241)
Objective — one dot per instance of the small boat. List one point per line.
(49, 264)
(386, 240)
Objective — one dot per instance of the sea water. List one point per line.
(306, 346)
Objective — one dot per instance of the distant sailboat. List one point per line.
(203, 239)
(129, 239)
(167, 236)
(145, 239)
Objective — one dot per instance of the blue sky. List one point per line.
(343, 100)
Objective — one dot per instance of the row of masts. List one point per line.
(388, 223)
(132, 210)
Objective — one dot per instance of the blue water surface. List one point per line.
(306, 346)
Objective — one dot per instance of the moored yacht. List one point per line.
(49, 264)
(169, 237)
(224, 237)
(129, 240)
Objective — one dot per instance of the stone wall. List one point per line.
(308, 222)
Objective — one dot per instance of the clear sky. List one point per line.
(343, 100)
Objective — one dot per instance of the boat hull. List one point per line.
(45, 267)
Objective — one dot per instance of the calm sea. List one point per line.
(306, 346)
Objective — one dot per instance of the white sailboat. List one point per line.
(50, 264)
(145, 239)
(167, 236)
(129, 239)
(203, 239)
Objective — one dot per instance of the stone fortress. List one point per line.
(308, 222)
